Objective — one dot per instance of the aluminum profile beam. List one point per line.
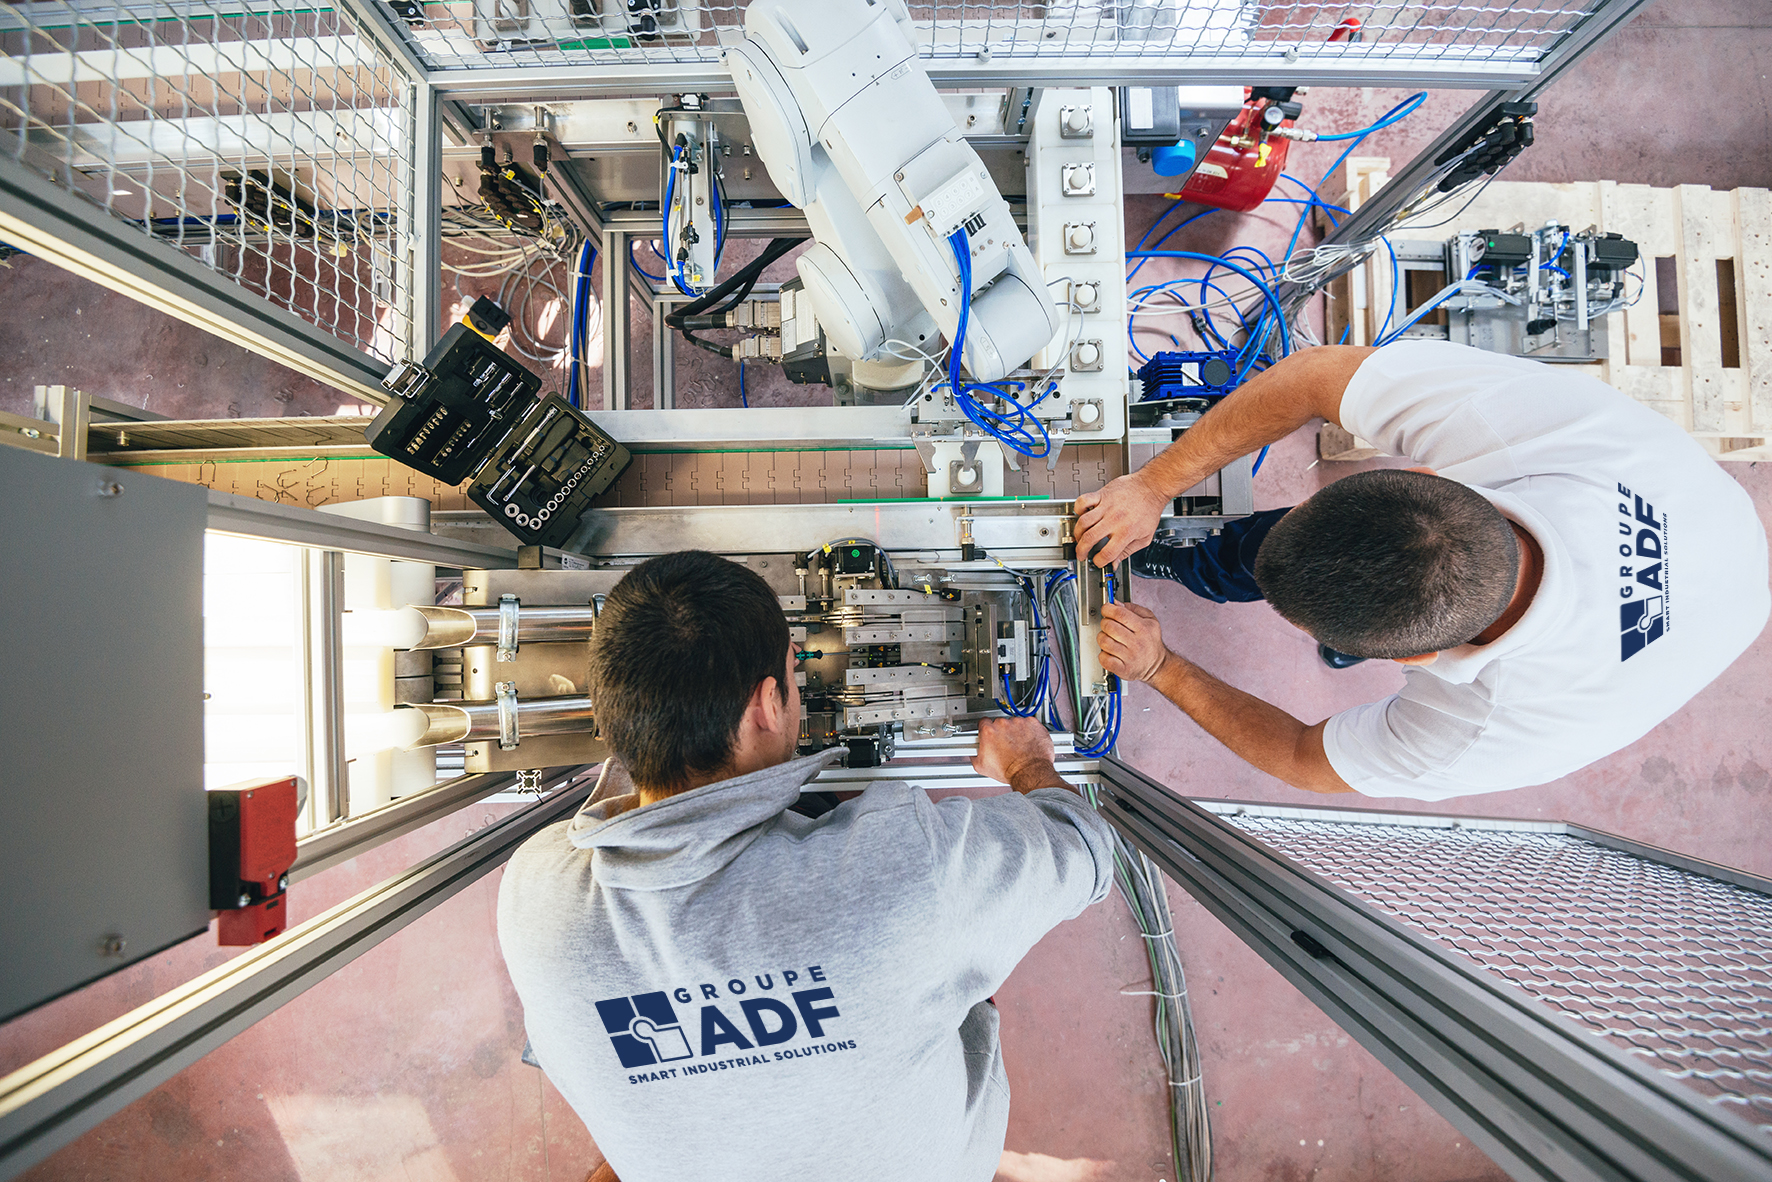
(421, 229)
(324, 762)
(247, 517)
(786, 222)
(46, 1104)
(376, 21)
(243, 141)
(616, 337)
(46, 220)
(1268, 68)
(758, 428)
(340, 843)
(920, 530)
(129, 63)
(1546, 1100)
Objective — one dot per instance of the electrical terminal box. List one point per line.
(251, 849)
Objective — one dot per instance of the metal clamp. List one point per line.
(507, 714)
(508, 606)
(406, 378)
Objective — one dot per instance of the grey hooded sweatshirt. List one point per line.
(724, 989)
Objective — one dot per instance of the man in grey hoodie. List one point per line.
(724, 988)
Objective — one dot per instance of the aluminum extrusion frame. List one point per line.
(1546, 1100)
(247, 517)
(1407, 182)
(43, 219)
(340, 843)
(46, 1104)
(515, 84)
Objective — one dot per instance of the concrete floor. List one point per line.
(405, 1064)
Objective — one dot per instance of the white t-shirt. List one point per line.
(1655, 573)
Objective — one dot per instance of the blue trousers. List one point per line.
(1222, 568)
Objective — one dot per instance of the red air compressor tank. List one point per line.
(1243, 164)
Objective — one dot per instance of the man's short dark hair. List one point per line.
(1390, 564)
(681, 644)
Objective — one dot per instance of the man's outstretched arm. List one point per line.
(1017, 752)
(1268, 407)
(1262, 734)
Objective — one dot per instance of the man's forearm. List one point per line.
(1264, 735)
(1268, 407)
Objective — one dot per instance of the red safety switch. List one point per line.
(251, 848)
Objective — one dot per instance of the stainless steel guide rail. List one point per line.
(1544, 1097)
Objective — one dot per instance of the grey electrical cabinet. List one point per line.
(103, 827)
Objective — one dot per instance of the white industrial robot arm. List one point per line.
(853, 132)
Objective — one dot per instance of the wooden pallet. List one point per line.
(1719, 386)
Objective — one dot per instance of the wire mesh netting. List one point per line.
(271, 141)
(487, 33)
(1673, 966)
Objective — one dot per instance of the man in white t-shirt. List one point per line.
(1566, 570)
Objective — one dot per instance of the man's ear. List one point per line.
(1418, 659)
(771, 710)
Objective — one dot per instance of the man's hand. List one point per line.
(1131, 641)
(1124, 515)
(1016, 752)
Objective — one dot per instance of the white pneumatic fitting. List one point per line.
(1078, 179)
(1082, 237)
(1088, 413)
(1085, 295)
(1088, 353)
(1076, 121)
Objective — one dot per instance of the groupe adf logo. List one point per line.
(644, 1029)
(1642, 575)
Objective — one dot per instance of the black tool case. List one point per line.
(470, 410)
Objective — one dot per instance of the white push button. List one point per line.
(1085, 296)
(1088, 413)
(1088, 354)
(1082, 237)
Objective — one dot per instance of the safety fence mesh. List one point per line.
(1475, 33)
(273, 142)
(1671, 965)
